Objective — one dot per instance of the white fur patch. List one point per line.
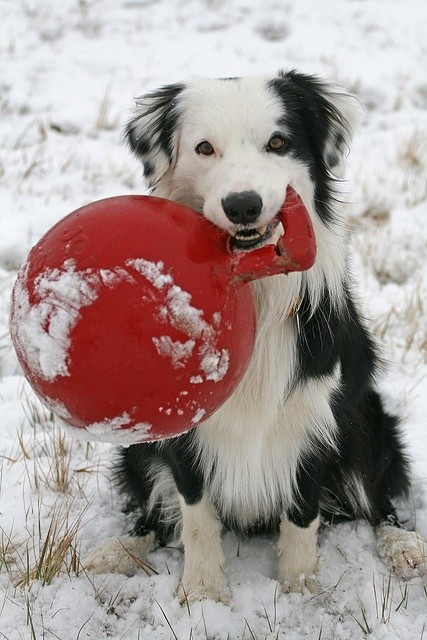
(164, 493)
(356, 494)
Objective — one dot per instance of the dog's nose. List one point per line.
(243, 207)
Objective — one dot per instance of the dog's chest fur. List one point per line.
(250, 448)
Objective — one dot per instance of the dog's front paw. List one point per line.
(299, 583)
(190, 592)
(204, 580)
(118, 555)
(403, 552)
(297, 575)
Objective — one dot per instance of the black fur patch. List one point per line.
(149, 169)
(312, 120)
(155, 123)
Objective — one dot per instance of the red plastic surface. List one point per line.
(167, 329)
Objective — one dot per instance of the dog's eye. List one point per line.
(276, 143)
(204, 148)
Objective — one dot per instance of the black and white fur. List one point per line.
(305, 433)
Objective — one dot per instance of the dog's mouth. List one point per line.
(247, 239)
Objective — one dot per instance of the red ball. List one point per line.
(132, 320)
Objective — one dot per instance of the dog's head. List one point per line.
(230, 147)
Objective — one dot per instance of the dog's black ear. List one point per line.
(152, 131)
(329, 114)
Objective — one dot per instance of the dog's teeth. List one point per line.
(246, 234)
(277, 233)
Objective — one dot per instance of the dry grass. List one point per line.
(104, 120)
(376, 211)
(57, 550)
(46, 443)
(50, 548)
(410, 319)
(412, 158)
(48, 544)
(389, 597)
(375, 246)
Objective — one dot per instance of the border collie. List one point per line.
(305, 433)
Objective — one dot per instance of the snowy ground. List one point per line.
(68, 73)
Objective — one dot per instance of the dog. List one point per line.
(305, 435)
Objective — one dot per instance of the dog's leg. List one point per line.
(297, 544)
(297, 556)
(205, 563)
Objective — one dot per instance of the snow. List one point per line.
(181, 314)
(187, 318)
(118, 434)
(198, 416)
(215, 364)
(178, 352)
(68, 74)
(42, 330)
(153, 271)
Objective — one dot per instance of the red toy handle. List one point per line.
(295, 250)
